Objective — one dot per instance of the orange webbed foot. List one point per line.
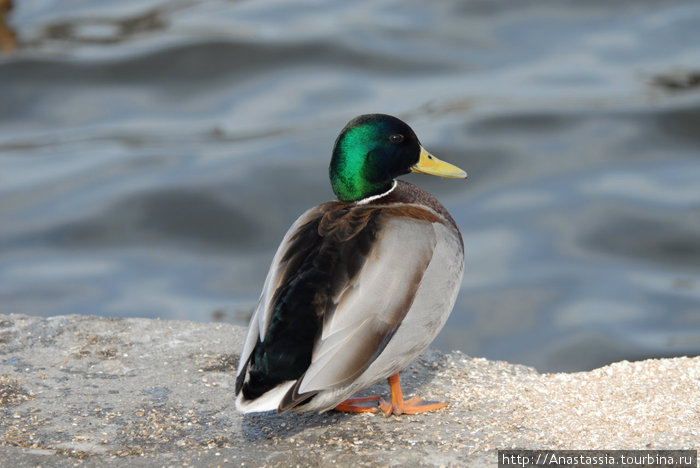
(351, 405)
(398, 405)
(413, 405)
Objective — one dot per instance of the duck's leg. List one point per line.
(398, 406)
(351, 405)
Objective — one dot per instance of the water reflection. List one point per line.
(8, 39)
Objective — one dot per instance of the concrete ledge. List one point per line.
(98, 391)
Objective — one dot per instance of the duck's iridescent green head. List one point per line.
(374, 149)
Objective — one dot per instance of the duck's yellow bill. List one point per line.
(429, 164)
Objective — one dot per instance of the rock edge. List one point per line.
(96, 391)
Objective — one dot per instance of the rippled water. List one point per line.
(152, 155)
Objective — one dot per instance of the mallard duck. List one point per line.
(359, 286)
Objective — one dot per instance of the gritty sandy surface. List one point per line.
(94, 391)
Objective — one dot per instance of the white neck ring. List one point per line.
(364, 201)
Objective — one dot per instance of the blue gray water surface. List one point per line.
(153, 154)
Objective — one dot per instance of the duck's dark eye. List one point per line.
(396, 138)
